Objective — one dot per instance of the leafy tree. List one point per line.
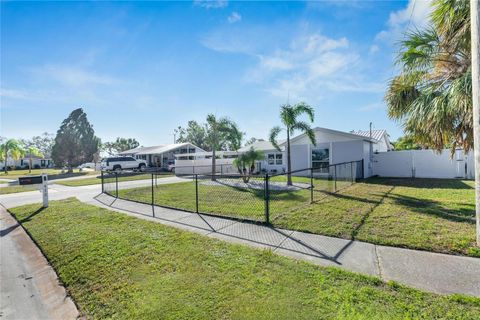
(32, 151)
(193, 133)
(43, 143)
(406, 143)
(120, 144)
(289, 116)
(11, 149)
(221, 132)
(75, 142)
(245, 163)
(432, 95)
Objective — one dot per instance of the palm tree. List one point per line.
(432, 95)
(245, 163)
(32, 151)
(289, 116)
(221, 133)
(11, 148)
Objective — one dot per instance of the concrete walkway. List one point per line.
(30, 288)
(439, 273)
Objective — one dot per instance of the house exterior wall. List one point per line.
(381, 146)
(424, 164)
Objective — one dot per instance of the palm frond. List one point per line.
(303, 108)
(274, 132)
(305, 128)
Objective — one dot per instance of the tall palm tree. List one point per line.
(32, 152)
(289, 116)
(432, 95)
(245, 163)
(11, 148)
(221, 133)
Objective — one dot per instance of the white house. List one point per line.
(163, 155)
(37, 163)
(382, 139)
(275, 160)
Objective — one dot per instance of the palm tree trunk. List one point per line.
(214, 163)
(475, 35)
(5, 166)
(30, 165)
(289, 161)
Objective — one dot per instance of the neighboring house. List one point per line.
(333, 147)
(37, 162)
(275, 160)
(382, 138)
(162, 155)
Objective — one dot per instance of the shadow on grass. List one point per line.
(420, 183)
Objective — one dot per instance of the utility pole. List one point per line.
(475, 33)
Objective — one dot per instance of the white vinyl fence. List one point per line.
(424, 164)
(204, 166)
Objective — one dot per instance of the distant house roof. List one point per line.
(261, 145)
(376, 134)
(156, 149)
(341, 133)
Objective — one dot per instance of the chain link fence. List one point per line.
(259, 198)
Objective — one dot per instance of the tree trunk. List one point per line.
(475, 34)
(214, 164)
(5, 166)
(30, 165)
(289, 161)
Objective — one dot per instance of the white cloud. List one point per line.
(211, 4)
(416, 15)
(72, 76)
(234, 17)
(374, 49)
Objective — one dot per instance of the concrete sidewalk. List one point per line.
(439, 273)
(30, 289)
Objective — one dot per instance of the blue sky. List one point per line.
(140, 69)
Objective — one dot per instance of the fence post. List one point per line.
(335, 177)
(267, 199)
(101, 174)
(221, 169)
(196, 193)
(351, 172)
(116, 185)
(153, 199)
(311, 185)
(363, 169)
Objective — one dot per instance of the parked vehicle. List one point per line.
(121, 163)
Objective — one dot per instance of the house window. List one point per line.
(191, 150)
(320, 158)
(279, 159)
(271, 158)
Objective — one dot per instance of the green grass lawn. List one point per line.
(98, 180)
(427, 214)
(16, 189)
(120, 267)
